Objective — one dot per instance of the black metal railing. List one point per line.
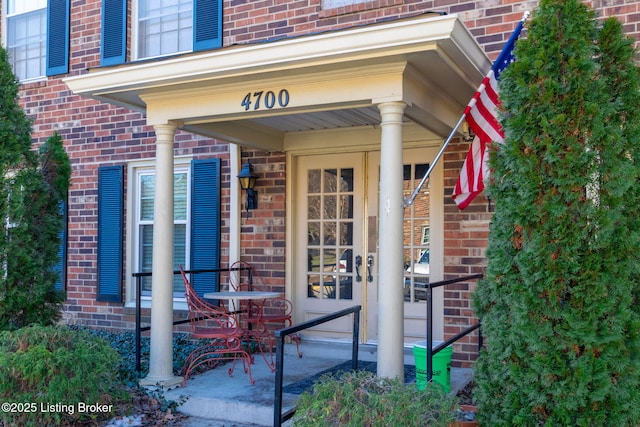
(278, 416)
(139, 276)
(432, 351)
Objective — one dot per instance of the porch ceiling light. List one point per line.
(247, 182)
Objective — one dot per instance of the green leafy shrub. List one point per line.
(49, 375)
(361, 399)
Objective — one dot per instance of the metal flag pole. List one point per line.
(408, 201)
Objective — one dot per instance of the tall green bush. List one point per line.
(33, 191)
(558, 300)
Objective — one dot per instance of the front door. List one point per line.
(330, 262)
(336, 223)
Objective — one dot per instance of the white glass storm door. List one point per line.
(336, 256)
(330, 261)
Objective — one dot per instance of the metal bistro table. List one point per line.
(246, 295)
(241, 295)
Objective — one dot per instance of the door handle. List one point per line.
(358, 264)
(369, 265)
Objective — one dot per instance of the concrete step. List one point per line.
(213, 395)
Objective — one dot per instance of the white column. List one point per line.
(390, 262)
(161, 351)
(235, 157)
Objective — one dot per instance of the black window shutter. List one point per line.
(61, 267)
(205, 223)
(207, 24)
(110, 232)
(57, 37)
(114, 32)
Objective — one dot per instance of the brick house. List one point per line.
(337, 104)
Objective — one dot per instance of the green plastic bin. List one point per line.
(441, 365)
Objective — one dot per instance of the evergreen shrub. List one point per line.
(45, 366)
(559, 302)
(356, 399)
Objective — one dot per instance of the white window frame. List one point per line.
(332, 4)
(137, 55)
(134, 171)
(38, 5)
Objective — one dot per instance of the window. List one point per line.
(143, 236)
(160, 27)
(164, 27)
(197, 212)
(331, 4)
(27, 37)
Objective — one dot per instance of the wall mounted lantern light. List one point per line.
(467, 132)
(247, 182)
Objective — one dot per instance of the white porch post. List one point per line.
(161, 350)
(390, 262)
(235, 220)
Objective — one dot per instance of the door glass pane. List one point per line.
(313, 233)
(346, 180)
(329, 207)
(346, 207)
(330, 229)
(314, 203)
(314, 181)
(330, 180)
(416, 236)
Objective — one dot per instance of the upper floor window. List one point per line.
(27, 37)
(160, 27)
(330, 4)
(164, 27)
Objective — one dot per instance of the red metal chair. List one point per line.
(220, 329)
(263, 316)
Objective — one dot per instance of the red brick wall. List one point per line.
(97, 134)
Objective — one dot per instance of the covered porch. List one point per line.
(384, 80)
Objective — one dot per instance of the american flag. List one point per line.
(481, 115)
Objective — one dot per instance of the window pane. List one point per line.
(21, 6)
(180, 197)
(26, 43)
(164, 27)
(146, 182)
(179, 256)
(146, 255)
(147, 189)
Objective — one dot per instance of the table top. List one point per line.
(242, 295)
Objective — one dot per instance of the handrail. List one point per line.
(278, 416)
(138, 276)
(432, 351)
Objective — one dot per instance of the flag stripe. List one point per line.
(482, 116)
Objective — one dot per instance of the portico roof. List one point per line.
(254, 94)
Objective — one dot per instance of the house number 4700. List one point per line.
(268, 99)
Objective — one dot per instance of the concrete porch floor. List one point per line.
(213, 399)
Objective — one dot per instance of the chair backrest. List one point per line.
(201, 310)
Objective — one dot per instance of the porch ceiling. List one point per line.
(321, 81)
